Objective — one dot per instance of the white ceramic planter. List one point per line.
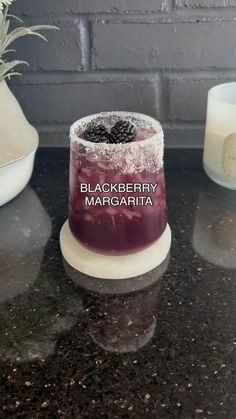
(18, 145)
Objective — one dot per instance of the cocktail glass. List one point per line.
(126, 228)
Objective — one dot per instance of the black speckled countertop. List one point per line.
(161, 346)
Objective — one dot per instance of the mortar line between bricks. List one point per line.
(148, 18)
(164, 96)
(207, 11)
(169, 19)
(168, 95)
(90, 34)
(169, 10)
(86, 77)
(82, 25)
(31, 78)
(94, 14)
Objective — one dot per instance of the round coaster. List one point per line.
(113, 267)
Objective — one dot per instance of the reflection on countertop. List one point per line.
(214, 236)
(25, 229)
(28, 322)
(158, 346)
(121, 314)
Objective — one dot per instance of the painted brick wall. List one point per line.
(154, 56)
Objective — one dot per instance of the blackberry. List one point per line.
(96, 134)
(122, 132)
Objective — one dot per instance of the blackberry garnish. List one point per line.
(122, 132)
(96, 134)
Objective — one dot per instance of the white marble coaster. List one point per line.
(113, 267)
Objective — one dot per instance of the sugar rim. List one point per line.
(81, 124)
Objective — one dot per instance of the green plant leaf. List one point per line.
(7, 67)
(7, 38)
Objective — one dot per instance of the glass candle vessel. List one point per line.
(117, 201)
(220, 139)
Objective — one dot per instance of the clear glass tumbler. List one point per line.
(220, 139)
(119, 227)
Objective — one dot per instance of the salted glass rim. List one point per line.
(82, 123)
(220, 93)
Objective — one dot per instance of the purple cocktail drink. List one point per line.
(117, 191)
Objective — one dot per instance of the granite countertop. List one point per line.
(160, 346)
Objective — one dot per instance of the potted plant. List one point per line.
(18, 139)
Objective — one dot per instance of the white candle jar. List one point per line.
(220, 139)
